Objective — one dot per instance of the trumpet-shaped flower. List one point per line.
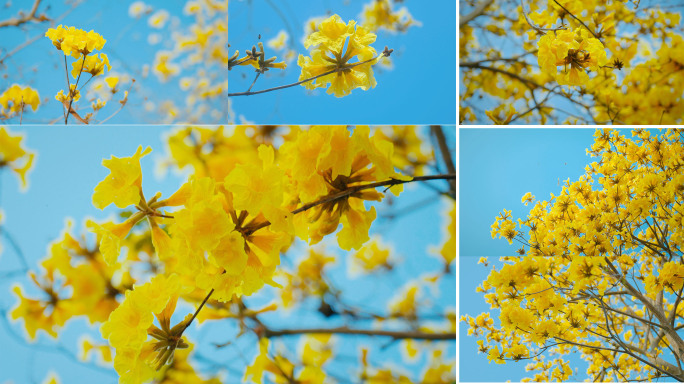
(329, 55)
(324, 172)
(75, 42)
(130, 324)
(95, 65)
(576, 52)
(123, 186)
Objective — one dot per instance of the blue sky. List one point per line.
(421, 89)
(67, 169)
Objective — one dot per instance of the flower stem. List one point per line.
(71, 99)
(248, 93)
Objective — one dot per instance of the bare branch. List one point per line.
(478, 11)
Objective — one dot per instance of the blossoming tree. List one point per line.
(600, 273)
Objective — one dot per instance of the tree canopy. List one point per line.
(600, 269)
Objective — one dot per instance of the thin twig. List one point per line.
(306, 80)
(536, 27)
(478, 11)
(576, 18)
(71, 101)
(25, 18)
(254, 82)
(194, 315)
(353, 190)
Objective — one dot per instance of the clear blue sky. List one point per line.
(497, 167)
(421, 89)
(67, 169)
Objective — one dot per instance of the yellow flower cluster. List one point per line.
(75, 281)
(373, 256)
(321, 171)
(307, 280)
(575, 51)
(379, 14)
(315, 353)
(75, 42)
(130, 324)
(15, 98)
(329, 54)
(219, 235)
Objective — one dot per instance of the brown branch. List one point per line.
(353, 190)
(534, 26)
(478, 11)
(194, 315)
(576, 18)
(415, 335)
(25, 18)
(446, 155)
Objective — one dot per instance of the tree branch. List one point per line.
(25, 18)
(385, 53)
(415, 335)
(478, 11)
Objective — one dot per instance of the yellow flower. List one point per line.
(15, 98)
(575, 51)
(162, 66)
(528, 198)
(110, 236)
(99, 104)
(322, 171)
(75, 42)
(158, 19)
(379, 14)
(371, 257)
(112, 81)
(279, 42)
(130, 324)
(94, 64)
(137, 9)
(502, 119)
(329, 54)
(259, 189)
(278, 366)
(74, 94)
(123, 186)
(14, 156)
(47, 314)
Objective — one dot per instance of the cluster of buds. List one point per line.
(256, 58)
